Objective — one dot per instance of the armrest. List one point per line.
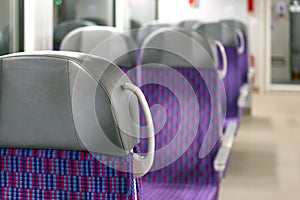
(251, 73)
(230, 134)
(221, 159)
(244, 94)
(223, 154)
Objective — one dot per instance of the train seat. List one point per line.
(233, 81)
(243, 40)
(106, 42)
(68, 125)
(181, 83)
(62, 29)
(244, 61)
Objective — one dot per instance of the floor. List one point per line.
(265, 162)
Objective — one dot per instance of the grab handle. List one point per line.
(241, 48)
(142, 164)
(223, 72)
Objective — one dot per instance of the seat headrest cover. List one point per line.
(189, 24)
(236, 24)
(106, 42)
(178, 47)
(66, 101)
(221, 32)
(4, 41)
(149, 28)
(97, 21)
(65, 27)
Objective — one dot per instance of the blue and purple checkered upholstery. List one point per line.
(190, 176)
(52, 174)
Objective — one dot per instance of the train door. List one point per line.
(282, 28)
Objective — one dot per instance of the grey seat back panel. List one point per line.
(149, 28)
(106, 42)
(35, 102)
(237, 24)
(178, 47)
(192, 24)
(43, 106)
(221, 32)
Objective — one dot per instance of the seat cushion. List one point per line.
(51, 174)
(157, 191)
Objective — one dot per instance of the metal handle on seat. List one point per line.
(223, 72)
(142, 164)
(241, 48)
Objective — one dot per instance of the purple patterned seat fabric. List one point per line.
(180, 191)
(52, 174)
(244, 62)
(192, 177)
(232, 83)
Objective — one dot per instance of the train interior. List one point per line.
(150, 99)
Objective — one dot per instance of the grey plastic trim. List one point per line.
(227, 140)
(244, 95)
(222, 159)
(142, 164)
(224, 70)
(242, 46)
(223, 154)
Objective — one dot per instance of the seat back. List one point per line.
(66, 27)
(97, 21)
(232, 82)
(66, 129)
(245, 55)
(181, 83)
(192, 24)
(149, 28)
(106, 42)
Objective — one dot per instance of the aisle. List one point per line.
(265, 163)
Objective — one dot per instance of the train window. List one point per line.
(11, 24)
(71, 14)
(142, 12)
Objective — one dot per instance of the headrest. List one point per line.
(149, 28)
(237, 24)
(192, 24)
(65, 27)
(66, 101)
(97, 21)
(103, 41)
(178, 47)
(134, 24)
(211, 46)
(221, 32)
